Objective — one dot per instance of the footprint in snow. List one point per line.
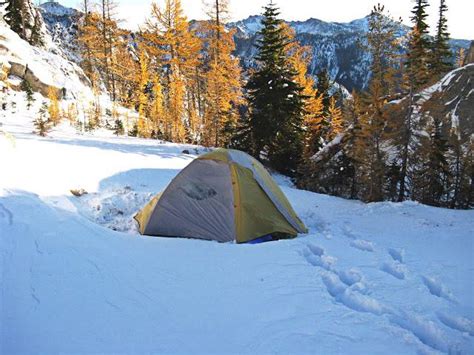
(347, 286)
(363, 245)
(315, 256)
(353, 296)
(458, 323)
(425, 330)
(397, 254)
(394, 268)
(436, 288)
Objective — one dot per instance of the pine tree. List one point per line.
(15, 17)
(118, 127)
(26, 87)
(419, 46)
(432, 173)
(323, 86)
(352, 111)
(275, 99)
(381, 44)
(314, 122)
(24, 20)
(442, 55)
(42, 123)
(36, 38)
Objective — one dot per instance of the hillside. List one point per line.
(76, 276)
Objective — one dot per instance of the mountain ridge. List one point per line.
(334, 44)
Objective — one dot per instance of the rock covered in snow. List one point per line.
(41, 67)
(455, 94)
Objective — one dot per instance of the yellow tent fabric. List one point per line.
(258, 206)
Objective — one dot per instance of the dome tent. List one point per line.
(225, 195)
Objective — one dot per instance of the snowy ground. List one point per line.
(76, 276)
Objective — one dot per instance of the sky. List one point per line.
(460, 23)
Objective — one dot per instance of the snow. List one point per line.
(77, 277)
(50, 68)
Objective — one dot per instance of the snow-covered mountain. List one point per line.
(335, 47)
(62, 23)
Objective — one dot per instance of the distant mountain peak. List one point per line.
(56, 9)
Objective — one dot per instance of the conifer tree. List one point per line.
(314, 120)
(157, 110)
(24, 20)
(275, 99)
(15, 17)
(142, 124)
(175, 48)
(419, 46)
(323, 86)
(89, 42)
(441, 56)
(53, 107)
(432, 173)
(118, 127)
(223, 93)
(26, 87)
(42, 123)
(381, 44)
(461, 56)
(335, 119)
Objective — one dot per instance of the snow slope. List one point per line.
(367, 279)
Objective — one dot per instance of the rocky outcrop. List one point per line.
(470, 55)
(22, 71)
(44, 69)
(455, 99)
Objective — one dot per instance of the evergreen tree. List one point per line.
(24, 20)
(26, 87)
(323, 86)
(275, 99)
(36, 38)
(15, 17)
(419, 46)
(430, 181)
(315, 122)
(442, 55)
(118, 127)
(42, 123)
